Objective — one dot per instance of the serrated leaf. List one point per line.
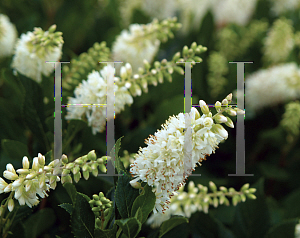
(145, 201)
(71, 190)
(125, 196)
(109, 233)
(130, 226)
(15, 149)
(68, 207)
(119, 164)
(284, 229)
(82, 218)
(252, 218)
(170, 224)
(36, 225)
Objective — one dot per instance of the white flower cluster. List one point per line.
(198, 199)
(32, 51)
(281, 6)
(135, 45)
(279, 41)
(233, 11)
(30, 182)
(166, 163)
(268, 87)
(8, 36)
(94, 91)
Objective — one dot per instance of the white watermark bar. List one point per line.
(110, 115)
(57, 110)
(240, 126)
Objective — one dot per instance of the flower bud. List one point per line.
(41, 159)
(86, 175)
(11, 205)
(8, 188)
(10, 168)
(17, 183)
(146, 64)
(42, 180)
(35, 164)
(28, 185)
(25, 162)
(85, 168)
(252, 190)
(70, 166)
(77, 177)
(219, 129)
(185, 50)
(76, 169)
(239, 111)
(128, 69)
(92, 155)
(9, 175)
(96, 209)
(64, 159)
(3, 185)
(31, 175)
(123, 72)
(54, 163)
(231, 112)
(220, 118)
(23, 171)
(212, 186)
(208, 122)
(204, 107)
(216, 202)
(135, 184)
(98, 203)
(65, 172)
(79, 161)
(245, 187)
(229, 98)
(229, 123)
(106, 212)
(251, 196)
(218, 106)
(101, 195)
(95, 172)
(225, 102)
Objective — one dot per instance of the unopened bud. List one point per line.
(11, 205)
(220, 118)
(64, 159)
(41, 159)
(229, 98)
(218, 106)
(135, 184)
(229, 123)
(25, 162)
(9, 175)
(204, 107)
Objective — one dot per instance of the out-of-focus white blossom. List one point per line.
(32, 51)
(164, 163)
(8, 36)
(282, 6)
(297, 230)
(93, 91)
(135, 45)
(160, 9)
(233, 11)
(268, 87)
(279, 41)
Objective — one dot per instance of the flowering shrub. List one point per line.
(181, 183)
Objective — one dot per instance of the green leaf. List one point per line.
(110, 233)
(39, 222)
(252, 218)
(71, 190)
(125, 196)
(118, 162)
(68, 207)
(145, 201)
(139, 215)
(15, 149)
(130, 226)
(284, 229)
(170, 224)
(82, 218)
(272, 171)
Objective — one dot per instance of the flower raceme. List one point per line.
(34, 48)
(27, 183)
(162, 164)
(198, 199)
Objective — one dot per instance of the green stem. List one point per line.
(118, 232)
